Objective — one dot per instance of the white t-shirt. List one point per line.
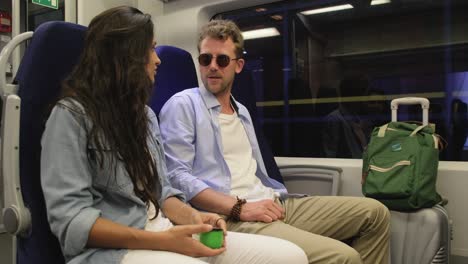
(237, 153)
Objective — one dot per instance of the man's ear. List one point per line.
(239, 65)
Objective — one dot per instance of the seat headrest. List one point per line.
(54, 50)
(176, 73)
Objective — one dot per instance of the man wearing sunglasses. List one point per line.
(213, 156)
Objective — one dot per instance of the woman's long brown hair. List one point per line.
(111, 83)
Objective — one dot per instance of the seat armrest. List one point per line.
(311, 179)
(16, 217)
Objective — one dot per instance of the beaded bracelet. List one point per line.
(236, 210)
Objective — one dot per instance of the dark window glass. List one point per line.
(327, 79)
(38, 14)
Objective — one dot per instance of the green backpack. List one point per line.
(400, 166)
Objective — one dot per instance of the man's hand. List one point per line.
(262, 211)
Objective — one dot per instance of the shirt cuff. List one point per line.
(78, 231)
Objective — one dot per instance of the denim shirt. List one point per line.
(192, 140)
(77, 191)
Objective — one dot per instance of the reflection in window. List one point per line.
(325, 79)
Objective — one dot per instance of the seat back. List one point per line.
(50, 57)
(312, 180)
(176, 73)
(243, 90)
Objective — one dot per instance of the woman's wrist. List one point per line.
(180, 213)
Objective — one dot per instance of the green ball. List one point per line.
(212, 239)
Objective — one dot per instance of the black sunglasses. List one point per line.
(222, 60)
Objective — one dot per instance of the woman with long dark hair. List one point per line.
(103, 170)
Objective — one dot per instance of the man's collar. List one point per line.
(211, 100)
(234, 104)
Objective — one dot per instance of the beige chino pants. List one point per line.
(318, 224)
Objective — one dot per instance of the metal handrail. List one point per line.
(6, 88)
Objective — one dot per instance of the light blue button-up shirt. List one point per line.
(192, 141)
(77, 192)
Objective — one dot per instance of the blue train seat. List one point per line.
(53, 51)
(176, 73)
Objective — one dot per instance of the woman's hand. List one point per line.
(214, 220)
(179, 239)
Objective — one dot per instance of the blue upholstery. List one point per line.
(176, 73)
(243, 89)
(51, 55)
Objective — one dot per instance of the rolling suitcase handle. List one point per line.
(411, 101)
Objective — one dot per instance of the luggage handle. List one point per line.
(424, 102)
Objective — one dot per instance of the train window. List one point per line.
(38, 14)
(326, 72)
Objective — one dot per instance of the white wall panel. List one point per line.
(89, 9)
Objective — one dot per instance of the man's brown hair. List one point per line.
(222, 30)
